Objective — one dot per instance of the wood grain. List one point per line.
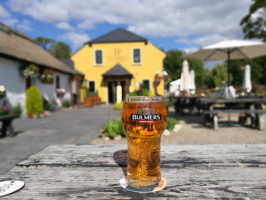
(94, 171)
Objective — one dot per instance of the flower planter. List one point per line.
(91, 101)
(47, 81)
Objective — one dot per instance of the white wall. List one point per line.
(13, 81)
(16, 84)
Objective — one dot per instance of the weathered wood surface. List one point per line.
(171, 155)
(94, 171)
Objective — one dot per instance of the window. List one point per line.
(146, 84)
(57, 83)
(136, 56)
(98, 57)
(91, 86)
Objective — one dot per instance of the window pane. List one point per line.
(98, 58)
(136, 55)
(92, 86)
(146, 84)
(57, 84)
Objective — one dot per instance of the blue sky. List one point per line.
(168, 24)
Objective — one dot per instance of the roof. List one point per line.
(14, 44)
(117, 71)
(68, 62)
(118, 35)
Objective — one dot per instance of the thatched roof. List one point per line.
(15, 44)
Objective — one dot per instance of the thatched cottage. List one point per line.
(19, 55)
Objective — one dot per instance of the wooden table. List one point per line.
(94, 171)
(187, 102)
(247, 107)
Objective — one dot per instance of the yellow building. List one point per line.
(120, 62)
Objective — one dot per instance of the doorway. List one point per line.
(111, 90)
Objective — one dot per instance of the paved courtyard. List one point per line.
(77, 126)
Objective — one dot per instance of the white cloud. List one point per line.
(77, 39)
(4, 12)
(64, 26)
(6, 17)
(25, 25)
(202, 19)
(9, 21)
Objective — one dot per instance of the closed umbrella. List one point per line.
(184, 86)
(247, 80)
(192, 85)
(230, 50)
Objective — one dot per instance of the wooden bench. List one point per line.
(256, 121)
(7, 124)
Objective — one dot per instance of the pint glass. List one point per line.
(144, 120)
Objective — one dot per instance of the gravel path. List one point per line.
(194, 132)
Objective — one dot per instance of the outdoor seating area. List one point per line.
(212, 109)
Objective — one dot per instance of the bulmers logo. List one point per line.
(145, 115)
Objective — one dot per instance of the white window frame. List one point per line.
(146, 79)
(98, 64)
(134, 63)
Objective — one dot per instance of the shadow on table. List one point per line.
(120, 157)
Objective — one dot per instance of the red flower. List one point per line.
(4, 108)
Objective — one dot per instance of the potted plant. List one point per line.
(60, 92)
(32, 71)
(2, 91)
(47, 76)
(4, 111)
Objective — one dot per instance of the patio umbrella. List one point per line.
(184, 86)
(246, 79)
(192, 85)
(230, 50)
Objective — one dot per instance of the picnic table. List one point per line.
(244, 107)
(192, 103)
(220, 171)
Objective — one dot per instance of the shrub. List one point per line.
(17, 110)
(50, 105)
(113, 127)
(145, 92)
(171, 122)
(66, 103)
(171, 102)
(34, 104)
(118, 106)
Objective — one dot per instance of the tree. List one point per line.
(173, 65)
(217, 77)
(44, 43)
(237, 71)
(57, 49)
(254, 23)
(60, 50)
(197, 66)
(254, 27)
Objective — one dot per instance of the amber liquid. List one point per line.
(143, 165)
